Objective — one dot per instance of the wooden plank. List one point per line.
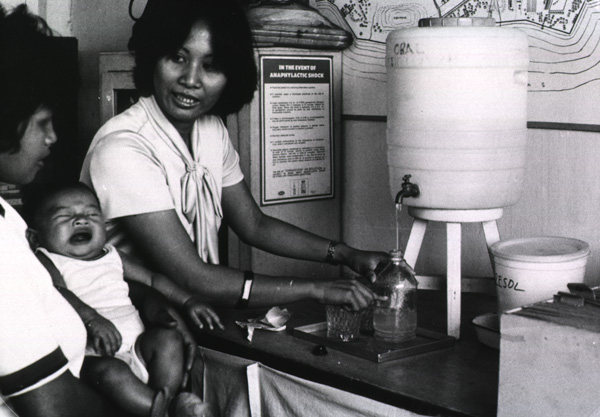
(454, 278)
(415, 240)
(481, 285)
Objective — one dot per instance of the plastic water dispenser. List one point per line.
(457, 125)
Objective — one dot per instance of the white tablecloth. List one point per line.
(240, 388)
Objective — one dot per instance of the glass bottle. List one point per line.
(395, 319)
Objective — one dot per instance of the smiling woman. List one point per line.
(167, 174)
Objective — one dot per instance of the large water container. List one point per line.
(457, 112)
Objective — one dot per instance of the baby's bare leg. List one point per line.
(113, 377)
(163, 351)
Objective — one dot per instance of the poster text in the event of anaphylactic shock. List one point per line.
(296, 128)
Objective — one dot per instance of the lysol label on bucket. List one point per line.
(503, 282)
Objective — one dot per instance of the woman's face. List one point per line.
(20, 167)
(188, 83)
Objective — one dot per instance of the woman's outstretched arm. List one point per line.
(162, 238)
(278, 237)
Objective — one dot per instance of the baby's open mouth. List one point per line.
(80, 237)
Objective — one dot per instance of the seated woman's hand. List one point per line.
(201, 313)
(104, 336)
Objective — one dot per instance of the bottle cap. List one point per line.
(396, 255)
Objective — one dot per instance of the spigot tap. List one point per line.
(408, 190)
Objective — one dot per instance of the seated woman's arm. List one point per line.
(104, 336)
(34, 370)
(65, 396)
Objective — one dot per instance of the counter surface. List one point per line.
(461, 380)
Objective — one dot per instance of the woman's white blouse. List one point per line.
(138, 163)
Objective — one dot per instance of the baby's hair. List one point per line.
(36, 196)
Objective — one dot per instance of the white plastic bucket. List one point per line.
(530, 270)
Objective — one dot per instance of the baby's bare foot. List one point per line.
(187, 404)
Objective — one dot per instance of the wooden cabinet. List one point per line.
(117, 91)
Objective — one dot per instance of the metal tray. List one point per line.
(368, 347)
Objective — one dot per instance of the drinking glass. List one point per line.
(343, 325)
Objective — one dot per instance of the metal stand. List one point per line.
(453, 220)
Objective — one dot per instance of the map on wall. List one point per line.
(564, 37)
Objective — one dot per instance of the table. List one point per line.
(458, 381)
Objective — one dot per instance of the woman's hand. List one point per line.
(366, 263)
(201, 313)
(348, 293)
(104, 336)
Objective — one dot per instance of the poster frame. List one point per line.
(265, 181)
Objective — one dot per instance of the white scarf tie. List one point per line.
(200, 195)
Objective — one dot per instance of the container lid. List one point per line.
(396, 255)
(456, 21)
(541, 249)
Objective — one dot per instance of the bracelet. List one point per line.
(245, 297)
(330, 258)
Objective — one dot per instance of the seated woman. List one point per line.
(166, 172)
(43, 339)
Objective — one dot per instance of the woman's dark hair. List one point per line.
(26, 73)
(165, 25)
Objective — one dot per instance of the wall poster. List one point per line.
(296, 100)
